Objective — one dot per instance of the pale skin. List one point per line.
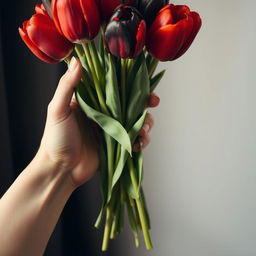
(67, 158)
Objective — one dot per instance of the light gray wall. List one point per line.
(200, 173)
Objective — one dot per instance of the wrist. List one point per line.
(52, 175)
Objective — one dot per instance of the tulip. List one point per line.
(172, 32)
(43, 39)
(149, 8)
(107, 7)
(77, 20)
(125, 33)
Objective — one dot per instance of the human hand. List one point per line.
(70, 139)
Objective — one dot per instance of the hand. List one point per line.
(70, 139)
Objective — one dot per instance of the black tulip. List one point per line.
(150, 8)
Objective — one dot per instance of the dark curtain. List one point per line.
(26, 87)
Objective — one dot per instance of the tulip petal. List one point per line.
(167, 41)
(163, 18)
(34, 48)
(55, 16)
(140, 38)
(70, 19)
(40, 9)
(196, 26)
(92, 17)
(119, 40)
(42, 32)
(149, 8)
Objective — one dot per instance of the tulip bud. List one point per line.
(172, 32)
(149, 8)
(125, 33)
(107, 7)
(43, 39)
(77, 20)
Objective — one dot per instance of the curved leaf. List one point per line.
(138, 97)
(155, 80)
(112, 92)
(133, 133)
(108, 124)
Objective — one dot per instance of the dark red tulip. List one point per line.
(149, 8)
(126, 32)
(77, 20)
(172, 32)
(43, 39)
(107, 7)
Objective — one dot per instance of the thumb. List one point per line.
(60, 103)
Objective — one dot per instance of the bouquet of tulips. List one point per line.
(118, 76)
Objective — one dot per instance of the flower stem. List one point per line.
(140, 206)
(87, 87)
(95, 79)
(90, 92)
(123, 86)
(107, 229)
(96, 61)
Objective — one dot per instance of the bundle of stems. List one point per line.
(114, 93)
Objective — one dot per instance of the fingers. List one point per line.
(60, 103)
(153, 101)
(144, 138)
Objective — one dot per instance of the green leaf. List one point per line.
(108, 124)
(138, 97)
(126, 180)
(102, 51)
(143, 199)
(120, 166)
(155, 80)
(133, 224)
(112, 92)
(103, 182)
(133, 133)
(138, 160)
(110, 161)
(136, 63)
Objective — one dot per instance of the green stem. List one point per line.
(110, 158)
(95, 79)
(96, 61)
(90, 92)
(123, 86)
(88, 88)
(132, 219)
(81, 56)
(114, 232)
(140, 207)
(129, 64)
(107, 229)
(102, 49)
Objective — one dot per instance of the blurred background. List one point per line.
(200, 167)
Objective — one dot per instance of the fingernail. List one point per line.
(73, 64)
(146, 128)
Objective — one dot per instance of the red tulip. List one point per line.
(172, 32)
(125, 33)
(107, 7)
(77, 20)
(43, 39)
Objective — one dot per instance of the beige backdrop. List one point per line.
(200, 174)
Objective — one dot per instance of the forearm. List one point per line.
(29, 210)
